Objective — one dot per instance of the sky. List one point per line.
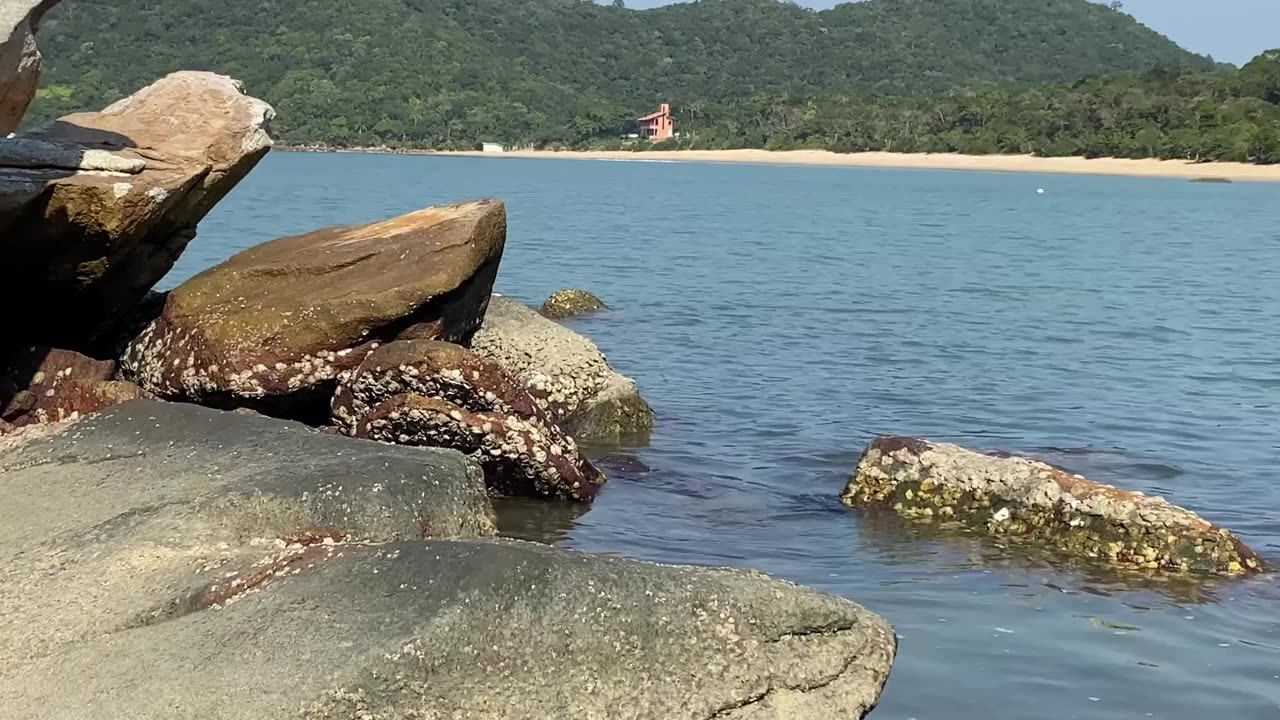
(1231, 31)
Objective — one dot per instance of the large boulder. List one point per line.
(96, 207)
(565, 371)
(19, 58)
(273, 327)
(1022, 499)
(167, 561)
(50, 385)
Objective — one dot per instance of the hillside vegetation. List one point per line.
(939, 75)
(436, 72)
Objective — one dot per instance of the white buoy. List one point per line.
(1039, 191)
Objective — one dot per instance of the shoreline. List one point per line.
(1153, 168)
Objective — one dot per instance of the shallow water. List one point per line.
(777, 317)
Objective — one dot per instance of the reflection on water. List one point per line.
(777, 318)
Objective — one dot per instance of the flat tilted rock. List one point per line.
(1019, 497)
(487, 630)
(19, 58)
(136, 177)
(274, 326)
(565, 371)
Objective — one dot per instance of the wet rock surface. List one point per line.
(50, 385)
(520, 456)
(96, 207)
(273, 327)
(1017, 497)
(564, 371)
(571, 303)
(19, 58)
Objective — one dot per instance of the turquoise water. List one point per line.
(776, 317)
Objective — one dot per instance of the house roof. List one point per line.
(653, 116)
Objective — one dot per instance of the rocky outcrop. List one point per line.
(1015, 497)
(274, 326)
(96, 207)
(564, 371)
(236, 567)
(570, 303)
(19, 58)
(519, 456)
(48, 385)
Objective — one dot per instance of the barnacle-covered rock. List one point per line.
(430, 368)
(520, 456)
(565, 371)
(1023, 498)
(50, 385)
(274, 326)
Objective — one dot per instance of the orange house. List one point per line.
(658, 126)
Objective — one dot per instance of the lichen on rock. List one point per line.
(571, 303)
(1016, 497)
(564, 371)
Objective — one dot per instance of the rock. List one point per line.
(49, 385)
(133, 584)
(520, 456)
(136, 178)
(189, 476)
(274, 326)
(564, 371)
(430, 368)
(1017, 497)
(19, 58)
(569, 303)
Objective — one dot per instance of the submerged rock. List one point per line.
(273, 327)
(569, 303)
(1023, 498)
(564, 371)
(96, 207)
(49, 385)
(520, 456)
(19, 58)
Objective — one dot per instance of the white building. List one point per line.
(492, 148)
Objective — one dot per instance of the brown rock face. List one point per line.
(19, 58)
(48, 385)
(274, 326)
(1020, 498)
(96, 207)
(519, 456)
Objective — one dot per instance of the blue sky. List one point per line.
(1229, 30)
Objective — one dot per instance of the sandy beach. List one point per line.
(992, 163)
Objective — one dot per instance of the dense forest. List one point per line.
(968, 75)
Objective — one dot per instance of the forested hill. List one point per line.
(450, 72)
